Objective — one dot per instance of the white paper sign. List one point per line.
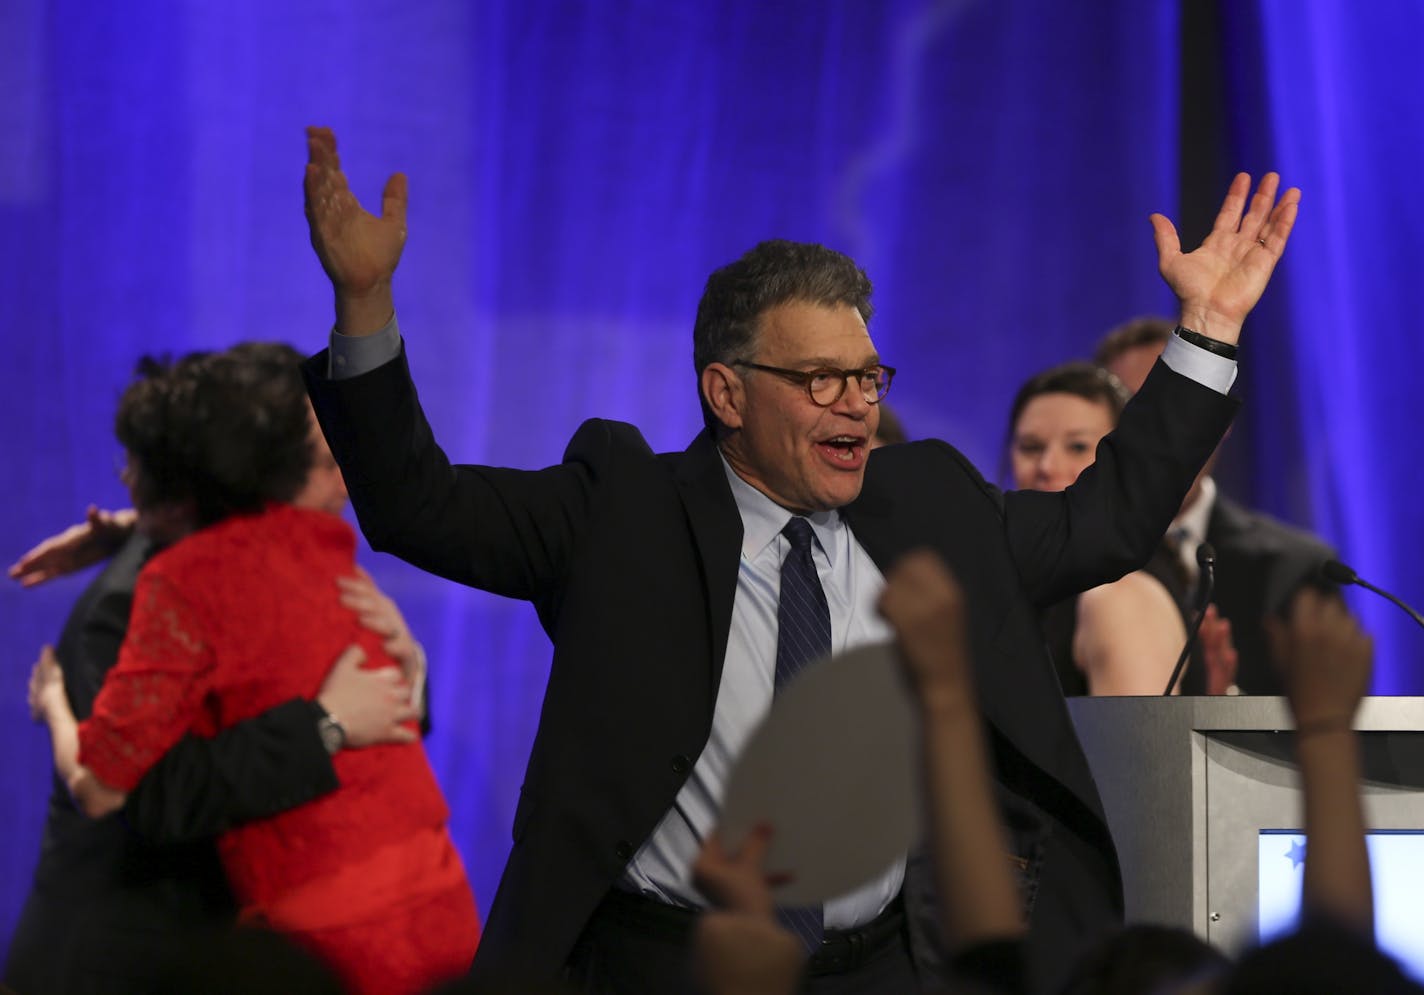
(835, 770)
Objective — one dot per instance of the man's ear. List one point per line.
(723, 392)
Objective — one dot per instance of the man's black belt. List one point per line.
(844, 950)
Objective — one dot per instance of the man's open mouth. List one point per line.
(843, 448)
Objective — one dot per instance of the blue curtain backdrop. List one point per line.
(577, 169)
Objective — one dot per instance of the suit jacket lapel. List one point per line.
(717, 532)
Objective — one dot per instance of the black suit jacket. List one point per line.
(108, 903)
(631, 559)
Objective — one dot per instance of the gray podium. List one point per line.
(1190, 783)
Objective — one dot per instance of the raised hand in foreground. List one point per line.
(925, 606)
(739, 948)
(1325, 659)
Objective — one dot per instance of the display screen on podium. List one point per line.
(1396, 872)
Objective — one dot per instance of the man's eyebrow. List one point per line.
(827, 363)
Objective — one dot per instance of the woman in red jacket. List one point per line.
(245, 613)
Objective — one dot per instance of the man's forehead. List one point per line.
(809, 309)
(815, 329)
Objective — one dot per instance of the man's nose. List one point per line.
(853, 401)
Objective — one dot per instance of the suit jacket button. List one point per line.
(680, 764)
(624, 849)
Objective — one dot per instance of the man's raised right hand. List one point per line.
(358, 250)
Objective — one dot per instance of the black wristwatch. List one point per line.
(331, 731)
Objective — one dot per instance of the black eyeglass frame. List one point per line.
(805, 377)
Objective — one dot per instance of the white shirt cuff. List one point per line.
(353, 355)
(1196, 363)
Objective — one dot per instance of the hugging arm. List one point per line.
(272, 762)
(96, 538)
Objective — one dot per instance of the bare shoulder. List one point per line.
(1128, 635)
(1136, 593)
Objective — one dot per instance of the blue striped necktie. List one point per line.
(803, 622)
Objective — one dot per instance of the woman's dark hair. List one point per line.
(226, 431)
(1092, 383)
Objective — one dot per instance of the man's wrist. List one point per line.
(1207, 322)
(947, 700)
(365, 312)
(1325, 724)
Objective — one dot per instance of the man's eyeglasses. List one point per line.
(826, 386)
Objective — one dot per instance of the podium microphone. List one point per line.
(1337, 572)
(1206, 563)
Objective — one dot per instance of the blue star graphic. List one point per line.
(1296, 853)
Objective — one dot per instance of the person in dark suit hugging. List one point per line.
(679, 589)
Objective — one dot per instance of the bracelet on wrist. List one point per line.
(1223, 349)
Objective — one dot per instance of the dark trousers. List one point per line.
(637, 946)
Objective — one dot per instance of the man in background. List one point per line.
(1260, 562)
